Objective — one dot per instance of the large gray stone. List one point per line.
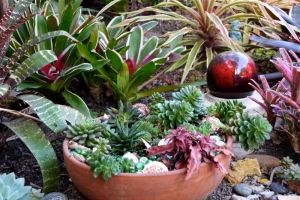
(242, 189)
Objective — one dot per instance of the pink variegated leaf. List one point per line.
(287, 99)
(264, 82)
(194, 161)
(295, 56)
(286, 58)
(160, 149)
(259, 103)
(283, 68)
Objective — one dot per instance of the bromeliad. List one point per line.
(53, 71)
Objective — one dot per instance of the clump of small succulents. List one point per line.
(289, 170)
(12, 188)
(186, 107)
(178, 133)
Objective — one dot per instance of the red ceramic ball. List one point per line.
(229, 73)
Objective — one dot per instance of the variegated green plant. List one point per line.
(57, 76)
(274, 35)
(205, 31)
(132, 65)
(14, 70)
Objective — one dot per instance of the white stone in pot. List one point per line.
(131, 156)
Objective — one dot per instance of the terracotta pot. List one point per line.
(159, 186)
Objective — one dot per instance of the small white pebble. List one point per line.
(131, 156)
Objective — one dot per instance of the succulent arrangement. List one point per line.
(178, 133)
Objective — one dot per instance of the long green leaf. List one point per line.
(115, 59)
(47, 112)
(65, 24)
(114, 32)
(179, 63)
(135, 43)
(147, 48)
(86, 32)
(77, 103)
(40, 28)
(191, 58)
(70, 114)
(34, 138)
(167, 88)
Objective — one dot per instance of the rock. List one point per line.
(253, 197)
(257, 188)
(267, 194)
(131, 156)
(284, 197)
(278, 188)
(55, 196)
(265, 181)
(154, 167)
(242, 189)
(274, 197)
(266, 160)
(241, 169)
(236, 197)
(239, 152)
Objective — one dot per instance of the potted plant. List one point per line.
(186, 155)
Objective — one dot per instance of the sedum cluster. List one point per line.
(289, 170)
(186, 107)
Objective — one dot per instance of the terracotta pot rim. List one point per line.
(168, 173)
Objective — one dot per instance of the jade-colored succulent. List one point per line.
(125, 114)
(125, 137)
(175, 113)
(107, 165)
(103, 147)
(154, 100)
(251, 131)
(126, 165)
(84, 131)
(204, 128)
(12, 188)
(226, 110)
(194, 96)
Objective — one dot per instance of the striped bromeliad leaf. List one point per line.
(47, 112)
(34, 138)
